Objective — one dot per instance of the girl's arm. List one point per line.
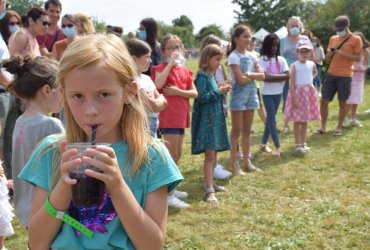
(240, 77)
(161, 78)
(172, 90)
(292, 85)
(43, 228)
(18, 43)
(314, 71)
(277, 77)
(146, 227)
(204, 95)
(156, 103)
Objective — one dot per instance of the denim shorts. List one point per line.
(244, 97)
(173, 131)
(153, 123)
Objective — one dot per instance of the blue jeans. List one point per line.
(316, 81)
(271, 103)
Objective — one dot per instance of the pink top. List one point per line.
(176, 114)
(48, 39)
(32, 47)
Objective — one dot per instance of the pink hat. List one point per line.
(304, 44)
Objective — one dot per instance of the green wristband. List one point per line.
(67, 219)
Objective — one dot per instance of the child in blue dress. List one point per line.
(208, 125)
(97, 79)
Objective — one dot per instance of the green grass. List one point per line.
(317, 201)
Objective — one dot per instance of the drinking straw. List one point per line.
(93, 135)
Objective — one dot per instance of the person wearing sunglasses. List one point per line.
(24, 41)
(10, 24)
(54, 33)
(70, 29)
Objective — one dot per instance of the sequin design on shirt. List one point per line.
(94, 218)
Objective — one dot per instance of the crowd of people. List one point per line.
(61, 85)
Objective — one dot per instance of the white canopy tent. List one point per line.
(260, 34)
(282, 32)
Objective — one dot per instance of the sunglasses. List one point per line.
(14, 23)
(45, 23)
(67, 25)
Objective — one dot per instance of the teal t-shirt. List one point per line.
(160, 170)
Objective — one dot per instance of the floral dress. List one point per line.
(208, 124)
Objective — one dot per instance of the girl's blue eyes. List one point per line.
(78, 96)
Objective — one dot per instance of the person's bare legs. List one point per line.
(297, 133)
(324, 110)
(172, 144)
(303, 132)
(236, 127)
(341, 115)
(246, 133)
(261, 113)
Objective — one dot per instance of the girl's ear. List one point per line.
(46, 90)
(132, 91)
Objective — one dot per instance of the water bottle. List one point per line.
(180, 60)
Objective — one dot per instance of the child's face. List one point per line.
(96, 98)
(275, 47)
(303, 54)
(214, 62)
(243, 41)
(172, 46)
(55, 101)
(142, 62)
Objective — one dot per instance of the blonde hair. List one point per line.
(169, 37)
(109, 51)
(87, 25)
(292, 19)
(207, 53)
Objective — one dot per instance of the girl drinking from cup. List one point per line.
(97, 79)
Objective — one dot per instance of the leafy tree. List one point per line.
(183, 21)
(23, 6)
(210, 29)
(99, 24)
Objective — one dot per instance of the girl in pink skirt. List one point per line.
(302, 105)
(358, 79)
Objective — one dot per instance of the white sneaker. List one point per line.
(367, 111)
(345, 122)
(355, 123)
(220, 173)
(180, 194)
(176, 202)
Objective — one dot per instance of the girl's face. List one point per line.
(66, 23)
(294, 24)
(243, 41)
(96, 98)
(142, 62)
(303, 54)
(55, 101)
(214, 62)
(172, 46)
(275, 47)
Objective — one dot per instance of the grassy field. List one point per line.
(316, 201)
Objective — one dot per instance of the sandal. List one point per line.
(320, 131)
(277, 152)
(210, 196)
(338, 133)
(219, 188)
(286, 129)
(265, 148)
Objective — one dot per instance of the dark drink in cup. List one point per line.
(88, 191)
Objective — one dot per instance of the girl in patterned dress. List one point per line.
(302, 105)
(208, 125)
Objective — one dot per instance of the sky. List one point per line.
(129, 13)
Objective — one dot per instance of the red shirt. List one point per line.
(176, 114)
(47, 40)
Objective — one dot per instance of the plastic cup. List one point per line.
(88, 191)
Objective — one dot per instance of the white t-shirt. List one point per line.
(271, 66)
(246, 62)
(304, 72)
(146, 83)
